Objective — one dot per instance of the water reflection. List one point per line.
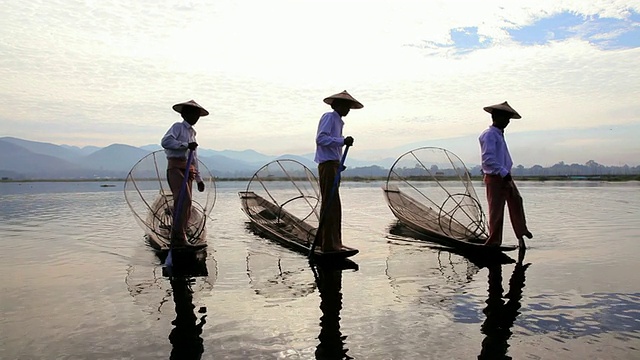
(501, 314)
(328, 278)
(185, 337)
(278, 278)
(189, 276)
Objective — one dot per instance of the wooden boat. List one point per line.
(282, 204)
(148, 195)
(429, 191)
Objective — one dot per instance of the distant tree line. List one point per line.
(561, 169)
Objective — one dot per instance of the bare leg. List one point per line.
(516, 213)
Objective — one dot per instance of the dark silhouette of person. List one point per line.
(332, 342)
(186, 337)
(501, 315)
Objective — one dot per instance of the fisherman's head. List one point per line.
(342, 103)
(501, 114)
(190, 111)
(501, 118)
(341, 106)
(190, 114)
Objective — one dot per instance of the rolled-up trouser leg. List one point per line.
(516, 211)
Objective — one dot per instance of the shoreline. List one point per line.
(541, 178)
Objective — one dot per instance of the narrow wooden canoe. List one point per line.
(275, 223)
(425, 222)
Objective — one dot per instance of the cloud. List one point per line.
(94, 73)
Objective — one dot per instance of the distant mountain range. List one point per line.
(31, 160)
(24, 159)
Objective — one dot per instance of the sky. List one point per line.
(103, 72)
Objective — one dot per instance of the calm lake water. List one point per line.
(79, 282)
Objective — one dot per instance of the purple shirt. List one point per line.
(329, 140)
(495, 154)
(176, 141)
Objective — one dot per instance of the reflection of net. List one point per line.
(416, 274)
(273, 278)
(430, 189)
(148, 195)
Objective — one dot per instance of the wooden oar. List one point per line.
(334, 188)
(169, 260)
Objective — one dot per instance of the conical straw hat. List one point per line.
(178, 107)
(355, 104)
(503, 107)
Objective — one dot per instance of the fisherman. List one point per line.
(496, 166)
(181, 137)
(329, 143)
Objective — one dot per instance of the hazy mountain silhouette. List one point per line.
(19, 162)
(86, 150)
(115, 157)
(45, 148)
(24, 159)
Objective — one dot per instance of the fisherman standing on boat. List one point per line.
(181, 137)
(496, 166)
(329, 143)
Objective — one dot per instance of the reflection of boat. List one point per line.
(146, 277)
(478, 258)
(281, 202)
(429, 190)
(148, 195)
(329, 281)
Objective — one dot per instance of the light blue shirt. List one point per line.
(176, 141)
(496, 159)
(329, 139)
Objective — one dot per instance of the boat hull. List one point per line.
(425, 223)
(277, 224)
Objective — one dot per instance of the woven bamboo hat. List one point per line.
(355, 104)
(503, 107)
(178, 107)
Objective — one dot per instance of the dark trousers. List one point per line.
(500, 192)
(331, 214)
(175, 177)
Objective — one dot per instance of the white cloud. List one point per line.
(102, 72)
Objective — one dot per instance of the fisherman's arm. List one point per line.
(170, 139)
(324, 137)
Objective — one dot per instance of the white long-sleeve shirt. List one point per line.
(176, 143)
(496, 159)
(329, 139)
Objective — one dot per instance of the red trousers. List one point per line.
(331, 214)
(175, 177)
(500, 191)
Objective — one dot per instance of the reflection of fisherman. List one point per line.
(186, 335)
(180, 137)
(496, 166)
(331, 346)
(501, 315)
(329, 142)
